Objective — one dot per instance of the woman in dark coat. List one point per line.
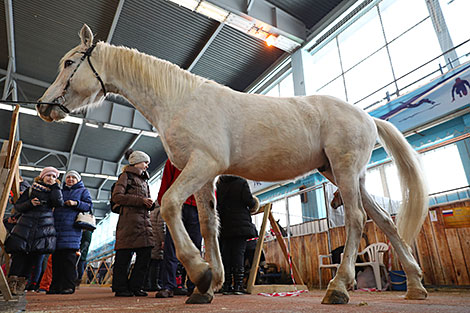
(134, 229)
(34, 233)
(234, 204)
(64, 260)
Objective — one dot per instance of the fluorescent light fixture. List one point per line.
(87, 174)
(6, 107)
(28, 111)
(73, 119)
(113, 127)
(101, 176)
(149, 134)
(212, 11)
(131, 130)
(238, 22)
(286, 44)
(92, 125)
(189, 4)
(29, 168)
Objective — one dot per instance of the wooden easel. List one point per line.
(9, 180)
(255, 289)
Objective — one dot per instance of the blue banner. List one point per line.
(444, 95)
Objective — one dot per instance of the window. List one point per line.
(456, 14)
(360, 39)
(400, 15)
(322, 67)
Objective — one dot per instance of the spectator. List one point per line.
(191, 223)
(64, 260)
(34, 234)
(134, 229)
(154, 273)
(234, 203)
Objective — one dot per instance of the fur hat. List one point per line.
(135, 157)
(74, 174)
(49, 170)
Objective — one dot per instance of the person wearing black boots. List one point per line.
(234, 205)
(134, 229)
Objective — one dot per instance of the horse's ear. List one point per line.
(86, 35)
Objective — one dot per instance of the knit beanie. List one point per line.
(49, 170)
(137, 157)
(74, 174)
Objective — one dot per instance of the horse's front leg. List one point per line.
(199, 170)
(209, 221)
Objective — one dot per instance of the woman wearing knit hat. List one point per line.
(34, 234)
(76, 199)
(134, 229)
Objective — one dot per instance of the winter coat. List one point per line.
(69, 236)
(170, 174)
(158, 227)
(234, 201)
(34, 232)
(134, 229)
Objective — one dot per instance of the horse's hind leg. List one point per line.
(348, 182)
(209, 230)
(415, 291)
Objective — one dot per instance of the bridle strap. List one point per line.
(86, 55)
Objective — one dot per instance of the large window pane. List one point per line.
(370, 75)
(400, 15)
(360, 39)
(444, 169)
(374, 182)
(456, 14)
(335, 88)
(322, 67)
(413, 49)
(286, 86)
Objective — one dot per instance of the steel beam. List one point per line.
(206, 45)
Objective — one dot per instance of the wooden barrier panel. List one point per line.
(442, 250)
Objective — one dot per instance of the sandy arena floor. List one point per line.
(100, 299)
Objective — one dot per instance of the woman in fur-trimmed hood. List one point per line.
(34, 234)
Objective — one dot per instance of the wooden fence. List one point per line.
(442, 248)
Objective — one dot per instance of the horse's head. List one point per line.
(77, 85)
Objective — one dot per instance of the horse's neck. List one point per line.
(155, 87)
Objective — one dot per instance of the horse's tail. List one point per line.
(415, 203)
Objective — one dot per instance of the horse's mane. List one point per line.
(168, 80)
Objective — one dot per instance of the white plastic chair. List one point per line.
(332, 266)
(375, 255)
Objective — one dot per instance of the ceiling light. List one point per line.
(271, 40)
(131, 130)
(29, 111)
(149, 134)
(91, 125)
(73, 119)
(189, 4)
(6, 107)
(113, 127)
(238, 22)
(286, 44)
(212, 11)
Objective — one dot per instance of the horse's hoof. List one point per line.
(416, 294)
(335, 297)
(197, 298)
(204, 281)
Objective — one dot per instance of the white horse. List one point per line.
(208, 130)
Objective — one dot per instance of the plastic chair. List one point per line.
(332, 266)
(375, 255)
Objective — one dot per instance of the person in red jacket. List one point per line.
(191, 223)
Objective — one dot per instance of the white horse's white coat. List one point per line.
(208, 129)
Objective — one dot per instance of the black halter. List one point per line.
(86, 55)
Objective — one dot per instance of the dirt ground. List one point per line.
(101, 299)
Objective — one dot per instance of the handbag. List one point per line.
(85, 220)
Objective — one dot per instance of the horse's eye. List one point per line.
(67, 63)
